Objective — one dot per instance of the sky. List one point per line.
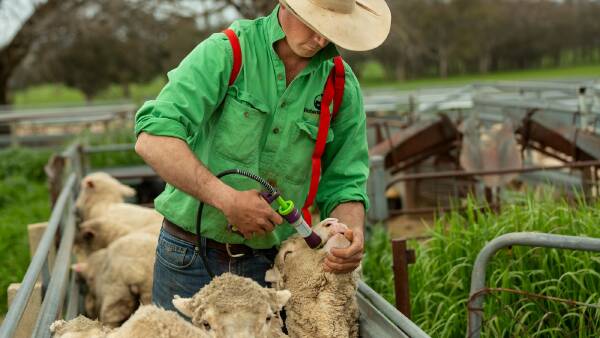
(14, 12)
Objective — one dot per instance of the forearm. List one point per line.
(173, 160)
(352, 214)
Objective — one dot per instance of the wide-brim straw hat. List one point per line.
(357, 25)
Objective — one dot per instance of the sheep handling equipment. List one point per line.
(51, 291)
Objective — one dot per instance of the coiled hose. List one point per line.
(199, 246)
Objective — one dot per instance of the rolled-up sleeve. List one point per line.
(194, 90)
(345, 163)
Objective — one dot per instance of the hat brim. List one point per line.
(362, 30)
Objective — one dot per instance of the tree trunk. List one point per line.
(126, 90)
(3, 88)
(443, 62)
(485, 61)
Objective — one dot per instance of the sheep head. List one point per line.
(294, 255)
(234, 306)
(78, 328)
(89, 271)
(100, 186)
(97, 233)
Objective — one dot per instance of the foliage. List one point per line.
(23, 200)
(123, 135)
(377, 263)
(29, 205)
(23, 162)
(440, 278)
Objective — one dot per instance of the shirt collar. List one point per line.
(276, 33)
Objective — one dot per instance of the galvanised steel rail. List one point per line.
(532, 239)
(12, 116)
(40, 261)
(380, 319)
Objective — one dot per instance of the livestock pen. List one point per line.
(51, 291)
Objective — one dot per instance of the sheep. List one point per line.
(80, 327)
(98, 233)
(230, 306)
(147, 321)
(323, 304)
(101, 195)
(234, 306)
(119, 277)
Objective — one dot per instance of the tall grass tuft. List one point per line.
(24, 200)
(440, 279)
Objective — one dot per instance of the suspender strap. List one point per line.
(334, 91)
(237, 54)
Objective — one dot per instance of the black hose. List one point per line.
(201, 249)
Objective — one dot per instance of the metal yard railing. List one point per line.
(61, 298)
(53, 286)
(531, 239)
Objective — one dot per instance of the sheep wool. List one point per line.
(80, 327)
(98, 233)
(120, 277)
(323, 304)
(234, 306)
(101, 195)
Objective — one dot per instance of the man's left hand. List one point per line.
(348, 259)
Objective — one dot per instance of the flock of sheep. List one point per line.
(115, 249)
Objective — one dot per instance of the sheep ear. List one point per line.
(88, 234)
(282, 298)
(126, 191)
(183, 305)
(80, 268)
(273, 275)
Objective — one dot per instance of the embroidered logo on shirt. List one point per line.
(317, 104)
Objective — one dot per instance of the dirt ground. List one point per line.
(410, 227)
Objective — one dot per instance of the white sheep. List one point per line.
(98, 233)
(80, 327)
(103, 196)
(119, 277)
(230, 306)
(234, 306)
(148, 321)
(323, 304)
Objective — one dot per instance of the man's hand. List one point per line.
(250, 213)
(348, 259)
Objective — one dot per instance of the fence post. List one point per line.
(27, 323)
(401, 259)
(376, 188)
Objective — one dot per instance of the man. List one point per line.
(266, 122)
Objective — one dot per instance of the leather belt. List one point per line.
(232, 250)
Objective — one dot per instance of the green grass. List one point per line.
(60, 95)
(535, 74)
(440, 279)
(124, 135)
(23, 200)
(56, 94)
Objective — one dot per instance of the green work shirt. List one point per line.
(258, 124)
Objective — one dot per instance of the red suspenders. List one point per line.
(333, 92)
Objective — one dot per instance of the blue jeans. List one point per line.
(179, 270)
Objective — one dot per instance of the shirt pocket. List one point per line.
(304, 138)
(238, 131)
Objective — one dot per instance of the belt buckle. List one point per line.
(228, 248)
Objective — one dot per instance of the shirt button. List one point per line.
(246, 114)
(276, 131)
(280, 77)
